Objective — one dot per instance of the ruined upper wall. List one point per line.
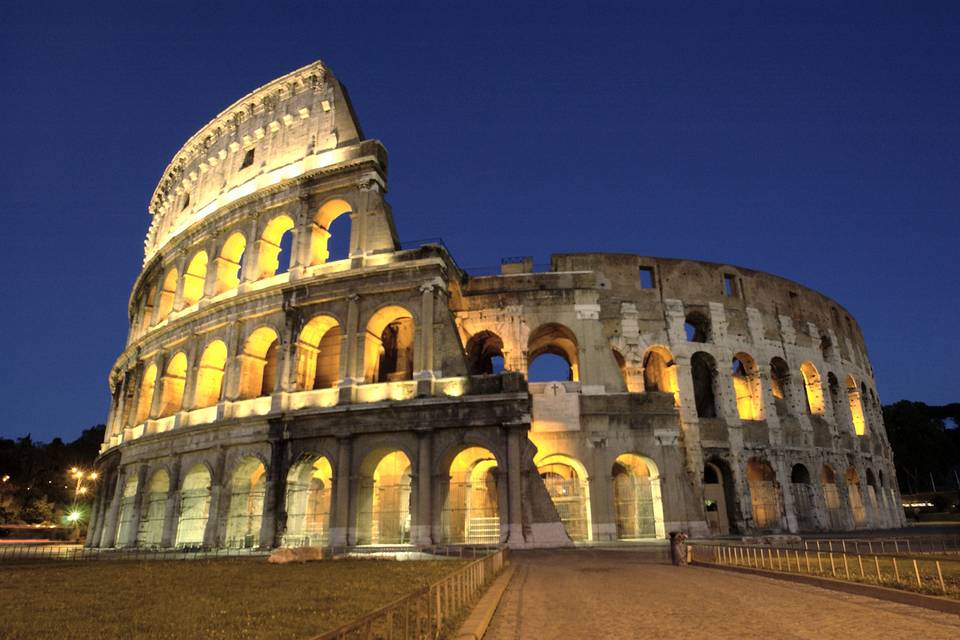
(285, 128)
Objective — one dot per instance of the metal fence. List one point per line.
(931, 574)
(942, 544)
(12, 553)
(428, 612)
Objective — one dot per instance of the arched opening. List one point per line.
(229, 263)
(148, 301)
(717, 497)
(125, 518)
(388, 346)
(780, 386)
(855, 498)
(384, 499)
(552, 354)
(213, 362)
(258, 364)
(318, 354)
(330, 232)
(471, 513)
(802, 497)
(566, 481)
(275, 243)
(813, 388)
(168, 293)
(636, 498)
(246, 504)
(696, 326)
(309, 494)
(153, 509)
(764, 494)
(660, 373)
(875, 498)
(703, 369)
(856, 406)
(145, 397)
(831, 497)
(194, 507)
(746, 387)
(194, 278)
(171, 394)
(484, 353)
(826, 348)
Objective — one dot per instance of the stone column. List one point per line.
(158, 383)
(211, 534)
(514, 470)
(96, 521)
(250, 269)
(109, 533)
(423, 357)
(181, 267)
(273, 491)
(340, 529)
(137, 507)
(351, 342)
(423, 512)
(171, 508)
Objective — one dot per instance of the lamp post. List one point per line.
(80, 475)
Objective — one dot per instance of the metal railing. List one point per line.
(912, 572)
(12, 553)
(428, 612)
(905, 544)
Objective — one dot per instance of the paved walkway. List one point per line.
(623, 594)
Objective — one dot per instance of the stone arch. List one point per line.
(831, 497)
(174, 379)
(764, 494)
(128, 499)
(746, 387)
(484, 352)
(660, 372)
(854, 398)
(308, 500)
(154, 508)
(321, 229)
(703, 369)
(318, 353)
(781, 386)
(696, 326)
(269, 259)
(229, 263)
(194, 506)
(194, 278)
(813, 388)
(145, 396)
(168, 293)
(245, 505)
(471, 505)
(803, 501)
(568, 485)
(388, 345)
(718, 496)
(210, 371)
(554, 339)
(258, 362)
(855, 498)
(637, 499)
(384, 497)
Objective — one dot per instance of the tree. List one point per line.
(921, 443)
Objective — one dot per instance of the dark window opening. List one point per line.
(704, 371)
(247, 159)
(697, 327)
(729, 285)
(286, 252)
(646, 278)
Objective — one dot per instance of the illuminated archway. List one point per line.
(660, 372)
(637, 498)
(194, 507)
(566, 481)
(269, 258)
(764, 494)
(309, 494)
(246, 504)
(229, 263)
(125, 517)
(802, 493)
(258, 363)
(318, 354)
(831, 497)
(384, 499)
(856, 406)
(174, 379)
(484, 352)
(322, 234)
(553, 339)
(168, 293)
(813, 388)
(746, 387)
(154, 509)
(209, 387)
(194, 278)
(145, 397)
(471, 511)
(388, 346)
(717, 496)
(780, 386)
(855, 497)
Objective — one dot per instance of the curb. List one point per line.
(934, 603)
(479, 619)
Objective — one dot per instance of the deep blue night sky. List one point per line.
(818, 143)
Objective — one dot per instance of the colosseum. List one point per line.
(293, 376)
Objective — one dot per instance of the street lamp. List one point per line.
(80, 475)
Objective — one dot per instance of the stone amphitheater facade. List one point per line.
(293, 376)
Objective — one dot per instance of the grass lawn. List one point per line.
(243, 598)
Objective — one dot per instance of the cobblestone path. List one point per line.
(625, 594)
